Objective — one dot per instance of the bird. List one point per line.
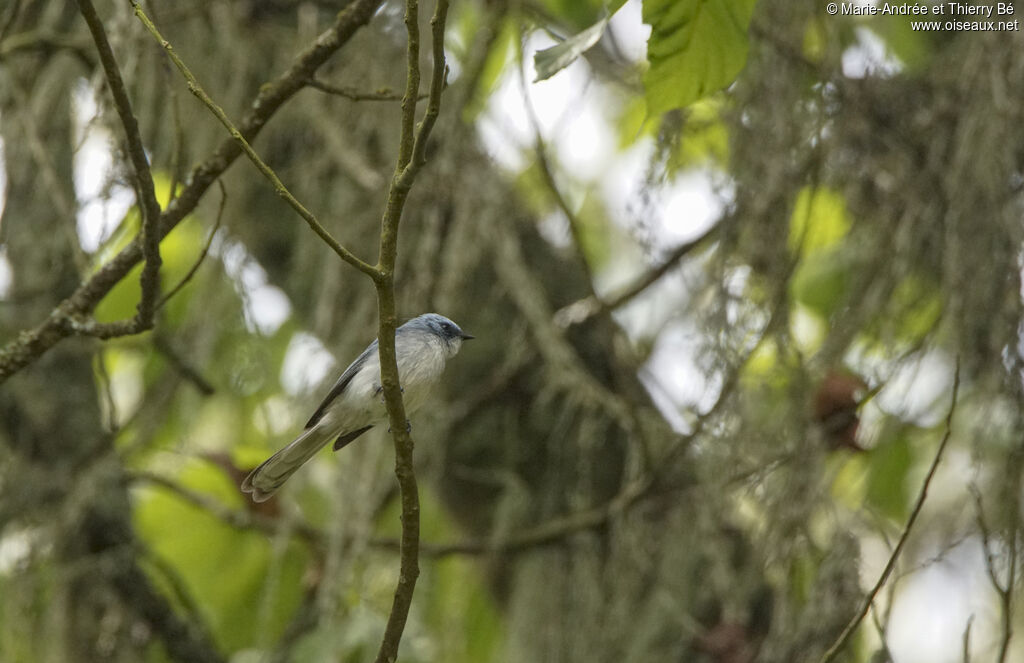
(355, 403)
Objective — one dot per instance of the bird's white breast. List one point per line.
(421, 360)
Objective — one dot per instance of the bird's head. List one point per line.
(442, 327)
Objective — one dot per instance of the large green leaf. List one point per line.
(696, 47)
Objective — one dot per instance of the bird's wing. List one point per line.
(340, 385)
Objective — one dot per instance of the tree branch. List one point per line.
(33, 343)
(411, 156)
(847, 633)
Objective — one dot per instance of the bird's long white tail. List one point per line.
(274, 471)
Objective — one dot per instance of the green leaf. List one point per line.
(550, 61)
(696, 47)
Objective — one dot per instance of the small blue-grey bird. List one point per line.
(356, 403)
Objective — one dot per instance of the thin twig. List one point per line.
(103, 377)
(411, 156)
(847, 633)
(178, 587)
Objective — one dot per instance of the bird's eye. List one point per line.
(448, 328)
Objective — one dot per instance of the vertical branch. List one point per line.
(150, 279)
(411, 156)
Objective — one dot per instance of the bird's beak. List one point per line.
(467, 337)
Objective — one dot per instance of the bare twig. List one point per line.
(411, 156)
(279, 187)
(847, 633)
(103, 377)
(32, 343)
